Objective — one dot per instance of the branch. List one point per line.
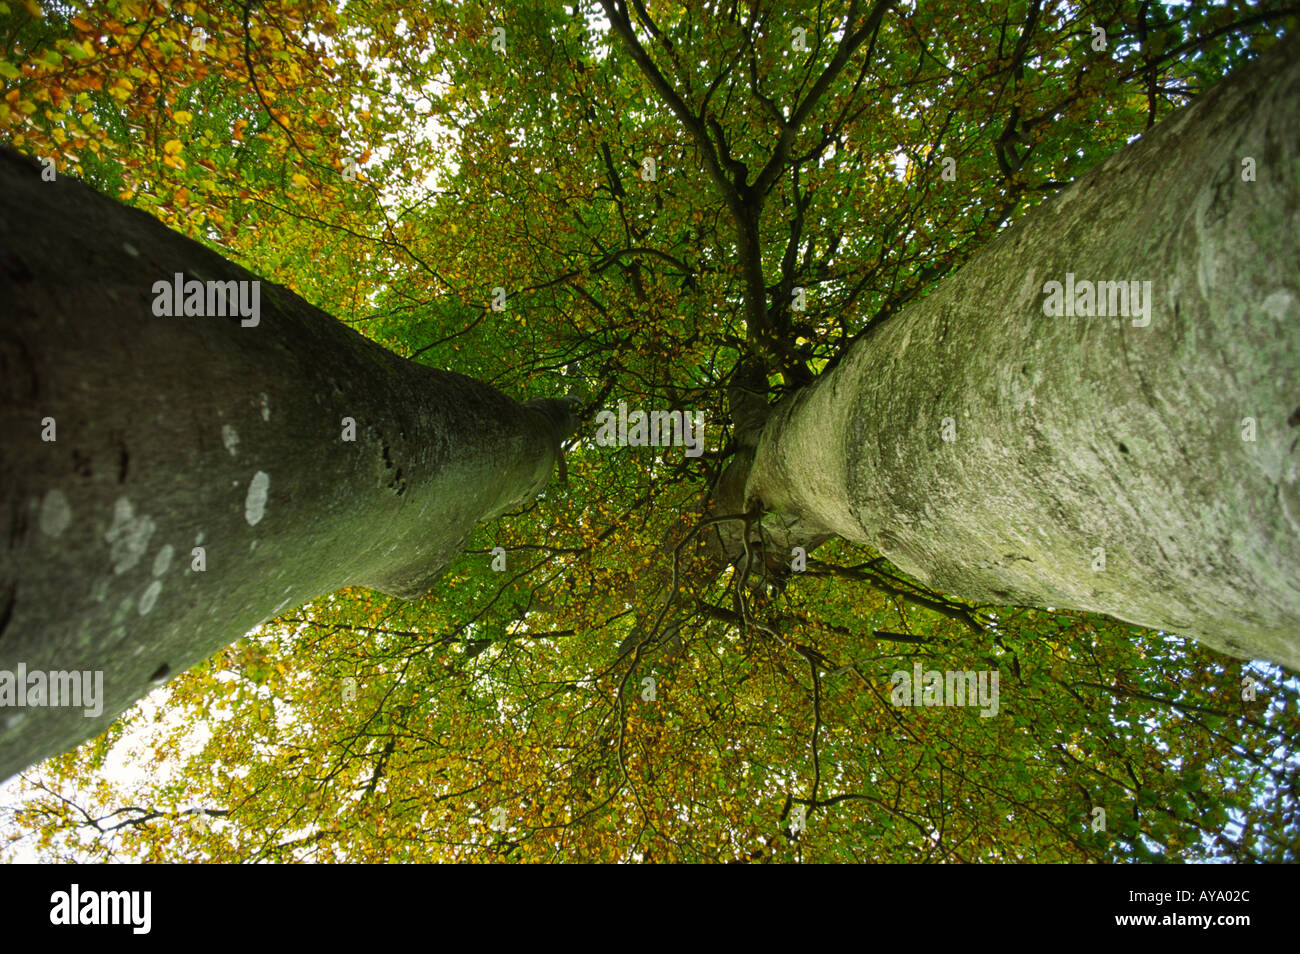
(618, 18)
(848, 46)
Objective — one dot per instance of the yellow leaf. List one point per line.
(300, 180)
(182, 116)
(172, 147)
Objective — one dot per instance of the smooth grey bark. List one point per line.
(1079, 436)
(185, 432)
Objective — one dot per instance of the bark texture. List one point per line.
(185, 432)
(1075, 438)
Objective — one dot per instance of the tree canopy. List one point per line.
(677, 206)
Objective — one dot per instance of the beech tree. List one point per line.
(183, 478)
(974, 369)
(1139, 461)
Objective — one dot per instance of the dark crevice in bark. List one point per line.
(7, 607)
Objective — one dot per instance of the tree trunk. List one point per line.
(199, 481)
(1143, 470)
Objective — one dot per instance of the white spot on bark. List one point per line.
(99, 592)
(128, 537)
(150, 597)
(266, 407)
(130, 250)
(14, 719)
(230, 438)
(255, 502)
(1280, 305)
(56, 514)
(162, 560)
